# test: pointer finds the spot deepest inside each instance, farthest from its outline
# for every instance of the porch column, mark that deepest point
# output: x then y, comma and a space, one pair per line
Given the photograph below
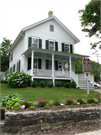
52, 64
32, 61
70, 64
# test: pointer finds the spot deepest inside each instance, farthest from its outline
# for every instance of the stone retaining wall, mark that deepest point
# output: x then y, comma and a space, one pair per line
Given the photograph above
33, 121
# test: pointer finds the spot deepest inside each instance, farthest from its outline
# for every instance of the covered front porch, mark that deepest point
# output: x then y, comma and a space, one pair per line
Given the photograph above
54, 64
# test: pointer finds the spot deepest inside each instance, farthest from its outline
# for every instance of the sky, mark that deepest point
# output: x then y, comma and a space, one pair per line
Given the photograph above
17, 14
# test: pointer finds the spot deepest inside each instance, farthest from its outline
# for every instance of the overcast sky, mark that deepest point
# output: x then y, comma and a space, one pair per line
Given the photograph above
17, 14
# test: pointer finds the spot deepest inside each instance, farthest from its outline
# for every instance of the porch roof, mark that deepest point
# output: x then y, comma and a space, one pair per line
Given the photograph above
57, 55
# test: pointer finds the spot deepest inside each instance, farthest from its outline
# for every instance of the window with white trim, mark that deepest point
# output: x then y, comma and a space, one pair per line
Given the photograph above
66, 48
35, 42
51, 45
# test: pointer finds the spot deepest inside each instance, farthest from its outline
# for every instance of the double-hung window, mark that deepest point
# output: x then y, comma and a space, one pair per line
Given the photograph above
35, 42
51, 45
67, 48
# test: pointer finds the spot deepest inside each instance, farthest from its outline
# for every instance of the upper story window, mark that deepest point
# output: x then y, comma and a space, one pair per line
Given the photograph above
51, 45
35, 42
67, 48
52, 28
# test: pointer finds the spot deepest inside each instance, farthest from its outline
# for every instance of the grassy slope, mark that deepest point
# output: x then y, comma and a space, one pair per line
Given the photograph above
47, 93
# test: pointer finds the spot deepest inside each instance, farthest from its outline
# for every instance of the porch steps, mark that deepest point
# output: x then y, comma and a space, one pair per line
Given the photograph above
83, 84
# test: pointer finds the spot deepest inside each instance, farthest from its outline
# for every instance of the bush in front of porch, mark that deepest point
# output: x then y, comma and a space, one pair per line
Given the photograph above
18, 80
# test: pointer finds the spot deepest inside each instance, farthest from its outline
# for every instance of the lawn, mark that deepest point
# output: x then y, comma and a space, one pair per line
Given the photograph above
47, 93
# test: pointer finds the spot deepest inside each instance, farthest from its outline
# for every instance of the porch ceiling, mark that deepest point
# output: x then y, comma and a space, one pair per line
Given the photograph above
57, 55
49, 55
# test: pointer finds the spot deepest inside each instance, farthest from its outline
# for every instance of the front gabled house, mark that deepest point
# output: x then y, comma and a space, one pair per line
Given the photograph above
45, 50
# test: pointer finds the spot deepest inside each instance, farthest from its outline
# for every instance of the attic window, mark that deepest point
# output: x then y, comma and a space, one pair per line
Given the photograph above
52, 28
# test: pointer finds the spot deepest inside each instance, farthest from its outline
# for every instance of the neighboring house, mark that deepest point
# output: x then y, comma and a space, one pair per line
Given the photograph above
45, 50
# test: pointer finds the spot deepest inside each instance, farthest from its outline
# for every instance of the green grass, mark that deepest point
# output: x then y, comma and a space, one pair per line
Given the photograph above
47, 93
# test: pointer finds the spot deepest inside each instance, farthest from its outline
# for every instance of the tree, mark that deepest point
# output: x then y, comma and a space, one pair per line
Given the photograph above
5, 45
90, 21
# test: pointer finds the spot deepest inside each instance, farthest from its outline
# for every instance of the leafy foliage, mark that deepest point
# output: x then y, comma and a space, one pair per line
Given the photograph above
58, 84
32, 107
90, 20
42, 102
81, 100
15, 103
5, 99
67, 85
50, 84
57, 102
92, 100
42, 83
5, 45
27, 103
73, 84
47, 107
70, 101
19, 80
34, 84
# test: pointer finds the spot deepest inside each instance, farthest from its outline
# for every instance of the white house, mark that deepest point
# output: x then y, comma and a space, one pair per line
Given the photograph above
45, 50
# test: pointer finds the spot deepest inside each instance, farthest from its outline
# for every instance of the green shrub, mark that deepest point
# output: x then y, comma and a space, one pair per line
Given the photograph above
92, 100
47, 107
67, 85
58, 84
15, 103
50, 84
73, 84
34, 84
70, 101
5, 99
18, 80
57, 102
81, 100
32, 107
42, 83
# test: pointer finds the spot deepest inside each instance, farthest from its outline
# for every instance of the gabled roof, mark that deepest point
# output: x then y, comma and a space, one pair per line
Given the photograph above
76, 40
22, 32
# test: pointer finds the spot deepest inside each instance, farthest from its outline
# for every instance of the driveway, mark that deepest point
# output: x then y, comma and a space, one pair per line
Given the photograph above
97, 90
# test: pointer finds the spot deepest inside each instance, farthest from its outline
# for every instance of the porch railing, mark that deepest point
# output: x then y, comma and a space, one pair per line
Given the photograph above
42, 72
46, 73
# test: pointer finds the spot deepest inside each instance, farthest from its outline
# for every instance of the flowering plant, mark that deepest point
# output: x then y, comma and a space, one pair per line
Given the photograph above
18, 80
41, 102
92, 100
70, 101
80, 100
27, 103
